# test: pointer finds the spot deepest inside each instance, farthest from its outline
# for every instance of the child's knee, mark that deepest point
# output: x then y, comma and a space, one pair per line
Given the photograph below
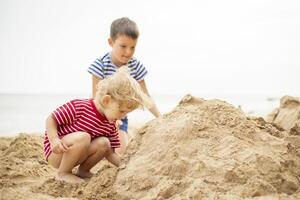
82, 138
103, 143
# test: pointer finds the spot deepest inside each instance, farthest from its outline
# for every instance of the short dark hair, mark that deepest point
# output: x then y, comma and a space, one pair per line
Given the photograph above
124, 26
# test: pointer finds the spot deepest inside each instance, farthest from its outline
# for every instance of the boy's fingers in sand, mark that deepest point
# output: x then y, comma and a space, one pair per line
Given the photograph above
55, 145
64, 146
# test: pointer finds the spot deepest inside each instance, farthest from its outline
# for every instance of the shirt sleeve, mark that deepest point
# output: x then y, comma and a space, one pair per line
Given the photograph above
97, 68
140, 71
114, 139
65, 114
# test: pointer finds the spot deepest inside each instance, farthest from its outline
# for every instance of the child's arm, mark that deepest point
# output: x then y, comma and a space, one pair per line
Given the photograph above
114, 158
154, 110
57, 145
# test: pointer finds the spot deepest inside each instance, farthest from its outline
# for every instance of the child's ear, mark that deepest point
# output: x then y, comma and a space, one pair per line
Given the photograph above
106, 99
110, 41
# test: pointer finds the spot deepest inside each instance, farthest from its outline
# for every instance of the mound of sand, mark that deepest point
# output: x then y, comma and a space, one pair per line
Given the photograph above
207, 150
203, 149
287, 116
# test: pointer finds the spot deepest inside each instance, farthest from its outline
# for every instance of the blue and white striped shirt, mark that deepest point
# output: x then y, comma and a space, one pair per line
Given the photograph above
103, 67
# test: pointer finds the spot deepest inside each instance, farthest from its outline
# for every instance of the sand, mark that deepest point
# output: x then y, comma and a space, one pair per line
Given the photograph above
203, 149
287, 116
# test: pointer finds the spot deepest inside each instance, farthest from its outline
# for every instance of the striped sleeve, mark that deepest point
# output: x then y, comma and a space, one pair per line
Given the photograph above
114, 139
140, 71
64, 114
97, 68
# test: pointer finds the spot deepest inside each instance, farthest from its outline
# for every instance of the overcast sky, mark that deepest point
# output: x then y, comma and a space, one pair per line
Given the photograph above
211, 46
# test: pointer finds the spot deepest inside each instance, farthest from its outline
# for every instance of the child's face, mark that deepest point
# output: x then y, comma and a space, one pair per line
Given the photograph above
123, 48
113, 110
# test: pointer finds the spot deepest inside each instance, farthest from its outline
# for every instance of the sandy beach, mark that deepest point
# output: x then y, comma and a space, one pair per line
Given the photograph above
202, 149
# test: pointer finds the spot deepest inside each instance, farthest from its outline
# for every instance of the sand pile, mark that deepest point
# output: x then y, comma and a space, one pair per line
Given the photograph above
287, 116
200, 150
206, 150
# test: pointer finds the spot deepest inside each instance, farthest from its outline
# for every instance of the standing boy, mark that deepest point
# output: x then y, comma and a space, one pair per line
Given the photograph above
123, 40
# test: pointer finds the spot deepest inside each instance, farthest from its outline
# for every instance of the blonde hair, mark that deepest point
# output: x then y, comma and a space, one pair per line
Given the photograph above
124, 89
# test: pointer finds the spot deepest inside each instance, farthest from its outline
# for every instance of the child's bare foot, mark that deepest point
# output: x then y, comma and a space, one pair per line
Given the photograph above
84, 174
68, 177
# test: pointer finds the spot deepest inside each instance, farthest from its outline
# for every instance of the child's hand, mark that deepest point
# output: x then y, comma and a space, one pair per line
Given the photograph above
118, 124
58, 146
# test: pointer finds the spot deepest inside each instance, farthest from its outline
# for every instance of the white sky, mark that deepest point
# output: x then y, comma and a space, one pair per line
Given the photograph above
211, 46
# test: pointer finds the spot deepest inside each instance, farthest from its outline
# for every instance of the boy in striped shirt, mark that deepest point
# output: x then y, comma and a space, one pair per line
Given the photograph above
83, 131
123, 40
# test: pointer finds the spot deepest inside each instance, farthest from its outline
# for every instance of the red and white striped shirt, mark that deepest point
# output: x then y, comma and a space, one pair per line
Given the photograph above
82, 115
